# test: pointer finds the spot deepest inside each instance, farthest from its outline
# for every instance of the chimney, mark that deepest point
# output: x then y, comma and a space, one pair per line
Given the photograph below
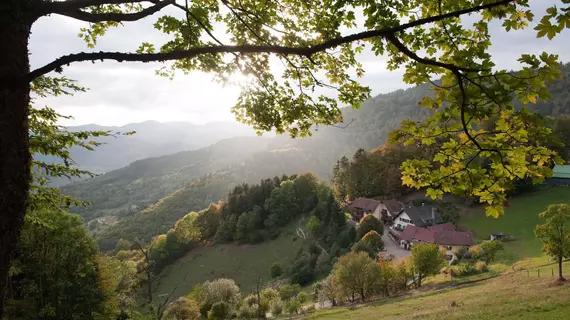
433, 216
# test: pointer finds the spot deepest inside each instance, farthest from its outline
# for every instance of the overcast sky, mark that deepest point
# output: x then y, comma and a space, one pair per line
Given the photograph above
122, 93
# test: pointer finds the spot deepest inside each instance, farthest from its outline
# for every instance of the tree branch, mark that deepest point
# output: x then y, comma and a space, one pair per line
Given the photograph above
116, 17
301, 51
71, 5
403, 49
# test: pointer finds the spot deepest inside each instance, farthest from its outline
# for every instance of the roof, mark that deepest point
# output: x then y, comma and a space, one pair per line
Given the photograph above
441, 236
453, 238
445, 226
422, 216
561, 171
393, 206
365, 204
413, 233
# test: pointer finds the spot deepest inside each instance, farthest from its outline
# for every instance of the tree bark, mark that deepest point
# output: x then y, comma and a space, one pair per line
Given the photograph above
419, 279
14, 150
560, 275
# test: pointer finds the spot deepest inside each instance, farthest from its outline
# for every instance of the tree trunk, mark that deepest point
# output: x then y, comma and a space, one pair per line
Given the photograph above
14, 150
560, 275
419, 279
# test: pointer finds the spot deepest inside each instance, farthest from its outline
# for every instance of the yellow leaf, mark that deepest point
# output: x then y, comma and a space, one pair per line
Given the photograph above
532, 98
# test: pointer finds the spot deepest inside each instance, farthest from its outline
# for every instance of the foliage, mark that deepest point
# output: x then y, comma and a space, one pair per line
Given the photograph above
182, 308
374, 173
555, 232
357, 274
275, 270
427, 260
374, 240
486, 250
57, 273
220, 290
289, 291
369, 223
221, 310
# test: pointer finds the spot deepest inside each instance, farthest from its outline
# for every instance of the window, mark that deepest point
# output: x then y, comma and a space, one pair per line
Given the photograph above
405, 220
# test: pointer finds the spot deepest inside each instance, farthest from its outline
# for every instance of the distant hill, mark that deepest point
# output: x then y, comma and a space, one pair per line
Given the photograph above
126, 191
152, 139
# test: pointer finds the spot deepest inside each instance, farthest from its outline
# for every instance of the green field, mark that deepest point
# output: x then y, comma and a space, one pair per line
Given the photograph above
519, 219
243, 263
510, 296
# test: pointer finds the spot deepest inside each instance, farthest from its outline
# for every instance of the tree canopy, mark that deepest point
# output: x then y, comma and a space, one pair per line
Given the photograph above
555, 233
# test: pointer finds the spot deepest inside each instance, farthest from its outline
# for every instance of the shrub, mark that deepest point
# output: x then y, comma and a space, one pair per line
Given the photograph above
311, 309
481, 266
369, 223
302, 297
287, 292
246, 312
182, 308
292, 306
275, 270
276, 307
220, 311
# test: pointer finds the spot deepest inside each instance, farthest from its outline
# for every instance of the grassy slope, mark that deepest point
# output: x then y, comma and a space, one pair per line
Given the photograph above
511, 296
519, 220
243, 263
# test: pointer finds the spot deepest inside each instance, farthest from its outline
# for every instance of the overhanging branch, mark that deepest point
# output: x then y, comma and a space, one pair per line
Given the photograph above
302, 51
116, 17
71, 5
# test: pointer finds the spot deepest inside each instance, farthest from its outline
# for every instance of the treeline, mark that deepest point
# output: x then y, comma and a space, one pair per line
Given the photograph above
373, 173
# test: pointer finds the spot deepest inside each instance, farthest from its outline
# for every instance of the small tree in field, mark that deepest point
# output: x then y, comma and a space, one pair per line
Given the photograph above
275, 270
369, 223
427, 260
555, 233
356, 274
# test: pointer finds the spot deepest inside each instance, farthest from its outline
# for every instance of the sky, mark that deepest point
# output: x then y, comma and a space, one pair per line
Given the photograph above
121, 93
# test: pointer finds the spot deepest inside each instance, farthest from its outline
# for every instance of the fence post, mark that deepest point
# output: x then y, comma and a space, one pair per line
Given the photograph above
538, 272
552, 271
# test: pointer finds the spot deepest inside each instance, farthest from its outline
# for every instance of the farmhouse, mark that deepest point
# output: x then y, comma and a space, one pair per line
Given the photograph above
383, 210
389, 209
363, 206
423, 216
444, 235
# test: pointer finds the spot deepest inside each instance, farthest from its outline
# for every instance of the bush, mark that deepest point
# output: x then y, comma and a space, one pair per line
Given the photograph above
311, 309
481, 266
246, 312
369, 223
220, 311
182, 308
276, 307
463, 253
275, 270
292, 306
289, 291
302, 297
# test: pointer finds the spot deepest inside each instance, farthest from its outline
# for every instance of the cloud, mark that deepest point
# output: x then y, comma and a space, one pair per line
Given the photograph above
121, 93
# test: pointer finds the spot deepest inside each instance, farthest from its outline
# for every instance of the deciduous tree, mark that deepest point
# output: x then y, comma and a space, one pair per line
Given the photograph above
427, 260
357, 274
555, 233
